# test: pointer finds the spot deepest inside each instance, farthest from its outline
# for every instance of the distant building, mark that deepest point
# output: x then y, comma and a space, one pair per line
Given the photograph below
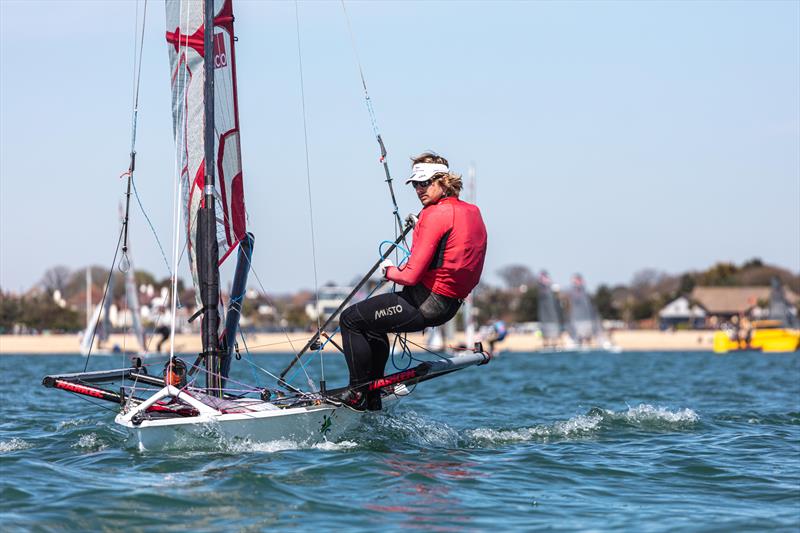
681, 312
330, 298
723, 303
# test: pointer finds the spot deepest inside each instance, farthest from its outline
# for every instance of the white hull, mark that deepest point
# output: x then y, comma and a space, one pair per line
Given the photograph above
307, 425
263, 422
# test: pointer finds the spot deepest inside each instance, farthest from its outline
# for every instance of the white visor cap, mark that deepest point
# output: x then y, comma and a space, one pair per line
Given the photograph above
425, 171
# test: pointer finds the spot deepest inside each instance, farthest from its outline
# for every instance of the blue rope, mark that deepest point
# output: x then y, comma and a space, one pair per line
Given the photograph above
406, 253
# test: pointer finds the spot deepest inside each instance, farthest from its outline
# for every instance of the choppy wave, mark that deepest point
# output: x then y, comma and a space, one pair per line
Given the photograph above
591, 424
13, 445
247, 446
647, 415
412, 428
90, 441
791, 418
483, 451
71, 423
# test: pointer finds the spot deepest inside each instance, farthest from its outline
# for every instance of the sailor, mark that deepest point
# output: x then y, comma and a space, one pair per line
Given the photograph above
446, 261
497, 332
165, 332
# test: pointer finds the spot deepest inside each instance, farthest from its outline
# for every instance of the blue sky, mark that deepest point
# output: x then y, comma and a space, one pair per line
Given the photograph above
608, 137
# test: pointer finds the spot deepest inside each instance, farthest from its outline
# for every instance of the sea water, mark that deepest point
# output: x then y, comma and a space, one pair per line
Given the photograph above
641, 441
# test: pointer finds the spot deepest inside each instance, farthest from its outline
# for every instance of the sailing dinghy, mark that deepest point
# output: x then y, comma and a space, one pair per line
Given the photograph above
584, 327
98, 327
195, 398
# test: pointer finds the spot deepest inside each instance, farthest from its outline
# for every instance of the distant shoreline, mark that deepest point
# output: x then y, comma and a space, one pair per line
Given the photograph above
628, 340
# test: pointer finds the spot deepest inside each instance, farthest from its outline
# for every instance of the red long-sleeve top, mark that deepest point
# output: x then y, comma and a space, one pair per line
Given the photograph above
448, 249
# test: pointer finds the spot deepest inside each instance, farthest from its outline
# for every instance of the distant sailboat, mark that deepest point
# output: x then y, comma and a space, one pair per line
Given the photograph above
549, 312
779, 308
98, 327
584, 326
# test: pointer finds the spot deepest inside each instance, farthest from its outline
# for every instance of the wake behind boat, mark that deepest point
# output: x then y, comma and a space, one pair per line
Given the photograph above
194, 397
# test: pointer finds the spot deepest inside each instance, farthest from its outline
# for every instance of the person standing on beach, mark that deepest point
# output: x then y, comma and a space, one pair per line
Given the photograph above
446, 261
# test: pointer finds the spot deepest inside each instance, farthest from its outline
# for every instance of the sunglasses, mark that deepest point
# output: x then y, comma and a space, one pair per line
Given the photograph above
422, 184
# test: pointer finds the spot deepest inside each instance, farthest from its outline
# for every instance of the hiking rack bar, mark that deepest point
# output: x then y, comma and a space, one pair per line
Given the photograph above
422, 372
316, 336
98, 376
102, 376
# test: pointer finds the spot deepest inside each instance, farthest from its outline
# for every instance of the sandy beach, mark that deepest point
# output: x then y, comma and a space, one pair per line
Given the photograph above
631, 340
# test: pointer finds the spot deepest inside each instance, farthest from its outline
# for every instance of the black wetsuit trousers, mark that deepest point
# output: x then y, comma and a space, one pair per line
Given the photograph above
365, 326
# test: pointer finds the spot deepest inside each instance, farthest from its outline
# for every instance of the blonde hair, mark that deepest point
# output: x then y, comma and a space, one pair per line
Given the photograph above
451, 182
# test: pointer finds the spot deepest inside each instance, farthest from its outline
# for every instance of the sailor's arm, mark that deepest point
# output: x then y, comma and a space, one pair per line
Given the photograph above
430, 230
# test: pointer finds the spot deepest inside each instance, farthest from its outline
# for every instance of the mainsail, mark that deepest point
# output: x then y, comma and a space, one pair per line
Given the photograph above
779, 308
186, 54
583, 322
97, 329
132, 296
549, 316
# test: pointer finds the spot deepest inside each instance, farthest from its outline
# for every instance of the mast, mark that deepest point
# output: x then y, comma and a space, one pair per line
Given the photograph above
469, 323
201, 50
208, 254
88, 297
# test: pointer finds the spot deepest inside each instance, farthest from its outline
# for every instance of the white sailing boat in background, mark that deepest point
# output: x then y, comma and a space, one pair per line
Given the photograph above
549, 313
99, 323
191, 401
585, 330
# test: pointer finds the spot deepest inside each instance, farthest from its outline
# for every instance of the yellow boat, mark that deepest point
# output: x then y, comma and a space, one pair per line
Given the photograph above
768, 336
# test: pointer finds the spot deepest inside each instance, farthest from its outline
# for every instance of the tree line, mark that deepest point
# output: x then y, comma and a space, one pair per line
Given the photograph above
515, 301
649, 290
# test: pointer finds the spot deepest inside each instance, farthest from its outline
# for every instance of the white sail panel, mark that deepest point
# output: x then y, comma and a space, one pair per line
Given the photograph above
132, 296
549, 315
186, 54
584, 323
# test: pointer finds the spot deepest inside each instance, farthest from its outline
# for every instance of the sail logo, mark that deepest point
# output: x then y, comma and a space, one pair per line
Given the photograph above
220, 56
389, 311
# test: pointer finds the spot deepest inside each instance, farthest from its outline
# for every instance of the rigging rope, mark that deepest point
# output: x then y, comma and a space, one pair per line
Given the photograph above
124, 265
150, 224
102, 301
137, 78
375, 130
308, 182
